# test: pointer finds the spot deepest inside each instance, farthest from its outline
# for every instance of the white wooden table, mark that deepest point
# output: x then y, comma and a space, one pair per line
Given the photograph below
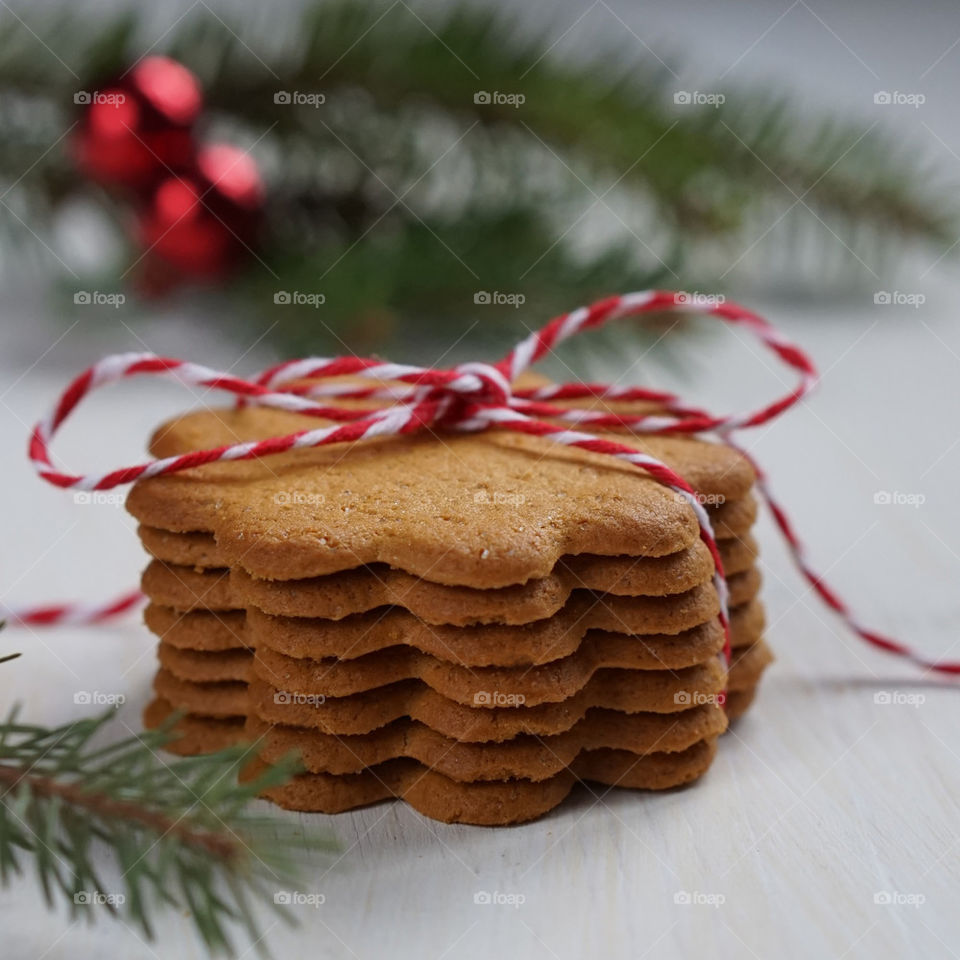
822, 802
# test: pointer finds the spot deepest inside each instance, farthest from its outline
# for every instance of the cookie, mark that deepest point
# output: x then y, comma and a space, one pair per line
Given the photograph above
358, 591
747, 666
205, 667
195, 734
217, 699
628, 691
226, 630
486, 803
229, 699
743, 587
738, 702
731, 520
549, 683
554, 680
531, 643
747, 623
482, 510
182, 549
524, 757
188, 588
191, 588
198, 629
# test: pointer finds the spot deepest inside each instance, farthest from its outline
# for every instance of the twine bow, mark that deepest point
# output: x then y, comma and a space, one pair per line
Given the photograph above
470, 397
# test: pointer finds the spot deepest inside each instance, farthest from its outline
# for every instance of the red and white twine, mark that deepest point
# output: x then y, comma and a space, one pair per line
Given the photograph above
470, 397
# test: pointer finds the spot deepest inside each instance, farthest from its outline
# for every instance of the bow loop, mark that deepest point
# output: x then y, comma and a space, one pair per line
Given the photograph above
480, 383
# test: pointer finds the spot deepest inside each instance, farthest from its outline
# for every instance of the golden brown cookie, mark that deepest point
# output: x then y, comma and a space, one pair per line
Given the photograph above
358, 591
629, 691
747, 666
738, 702
536, 643
195, 734
747, 623
226, 630
527, 684
743, 587
731, 520
198, 629
217, 699
524, 757
482, 510
486, 803
471, 686
206, 667
188, 588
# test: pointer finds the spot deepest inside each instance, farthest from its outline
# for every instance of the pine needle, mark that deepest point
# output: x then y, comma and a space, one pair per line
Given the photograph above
175, 834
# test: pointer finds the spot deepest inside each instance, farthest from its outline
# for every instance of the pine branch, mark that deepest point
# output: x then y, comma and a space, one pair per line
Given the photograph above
604, 112
176, 834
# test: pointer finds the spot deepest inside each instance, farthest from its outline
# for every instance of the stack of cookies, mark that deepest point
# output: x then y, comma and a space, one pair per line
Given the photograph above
472, 623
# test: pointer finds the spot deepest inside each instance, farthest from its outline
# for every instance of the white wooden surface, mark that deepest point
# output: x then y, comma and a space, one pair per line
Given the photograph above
820, 800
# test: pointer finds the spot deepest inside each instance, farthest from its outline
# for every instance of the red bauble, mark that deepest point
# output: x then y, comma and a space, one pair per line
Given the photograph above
198, 208
140, 128
201, 225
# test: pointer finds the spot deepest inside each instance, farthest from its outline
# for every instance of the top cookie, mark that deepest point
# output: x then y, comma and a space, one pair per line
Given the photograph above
478, 510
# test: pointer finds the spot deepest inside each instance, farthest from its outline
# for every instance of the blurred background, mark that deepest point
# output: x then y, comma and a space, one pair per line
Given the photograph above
362, 175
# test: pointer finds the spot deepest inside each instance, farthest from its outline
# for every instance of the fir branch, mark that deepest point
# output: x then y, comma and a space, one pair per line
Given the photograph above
605, 111
176, 833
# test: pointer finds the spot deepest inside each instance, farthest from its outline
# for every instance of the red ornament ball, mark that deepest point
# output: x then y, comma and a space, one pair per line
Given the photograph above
202, 224
140, 128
